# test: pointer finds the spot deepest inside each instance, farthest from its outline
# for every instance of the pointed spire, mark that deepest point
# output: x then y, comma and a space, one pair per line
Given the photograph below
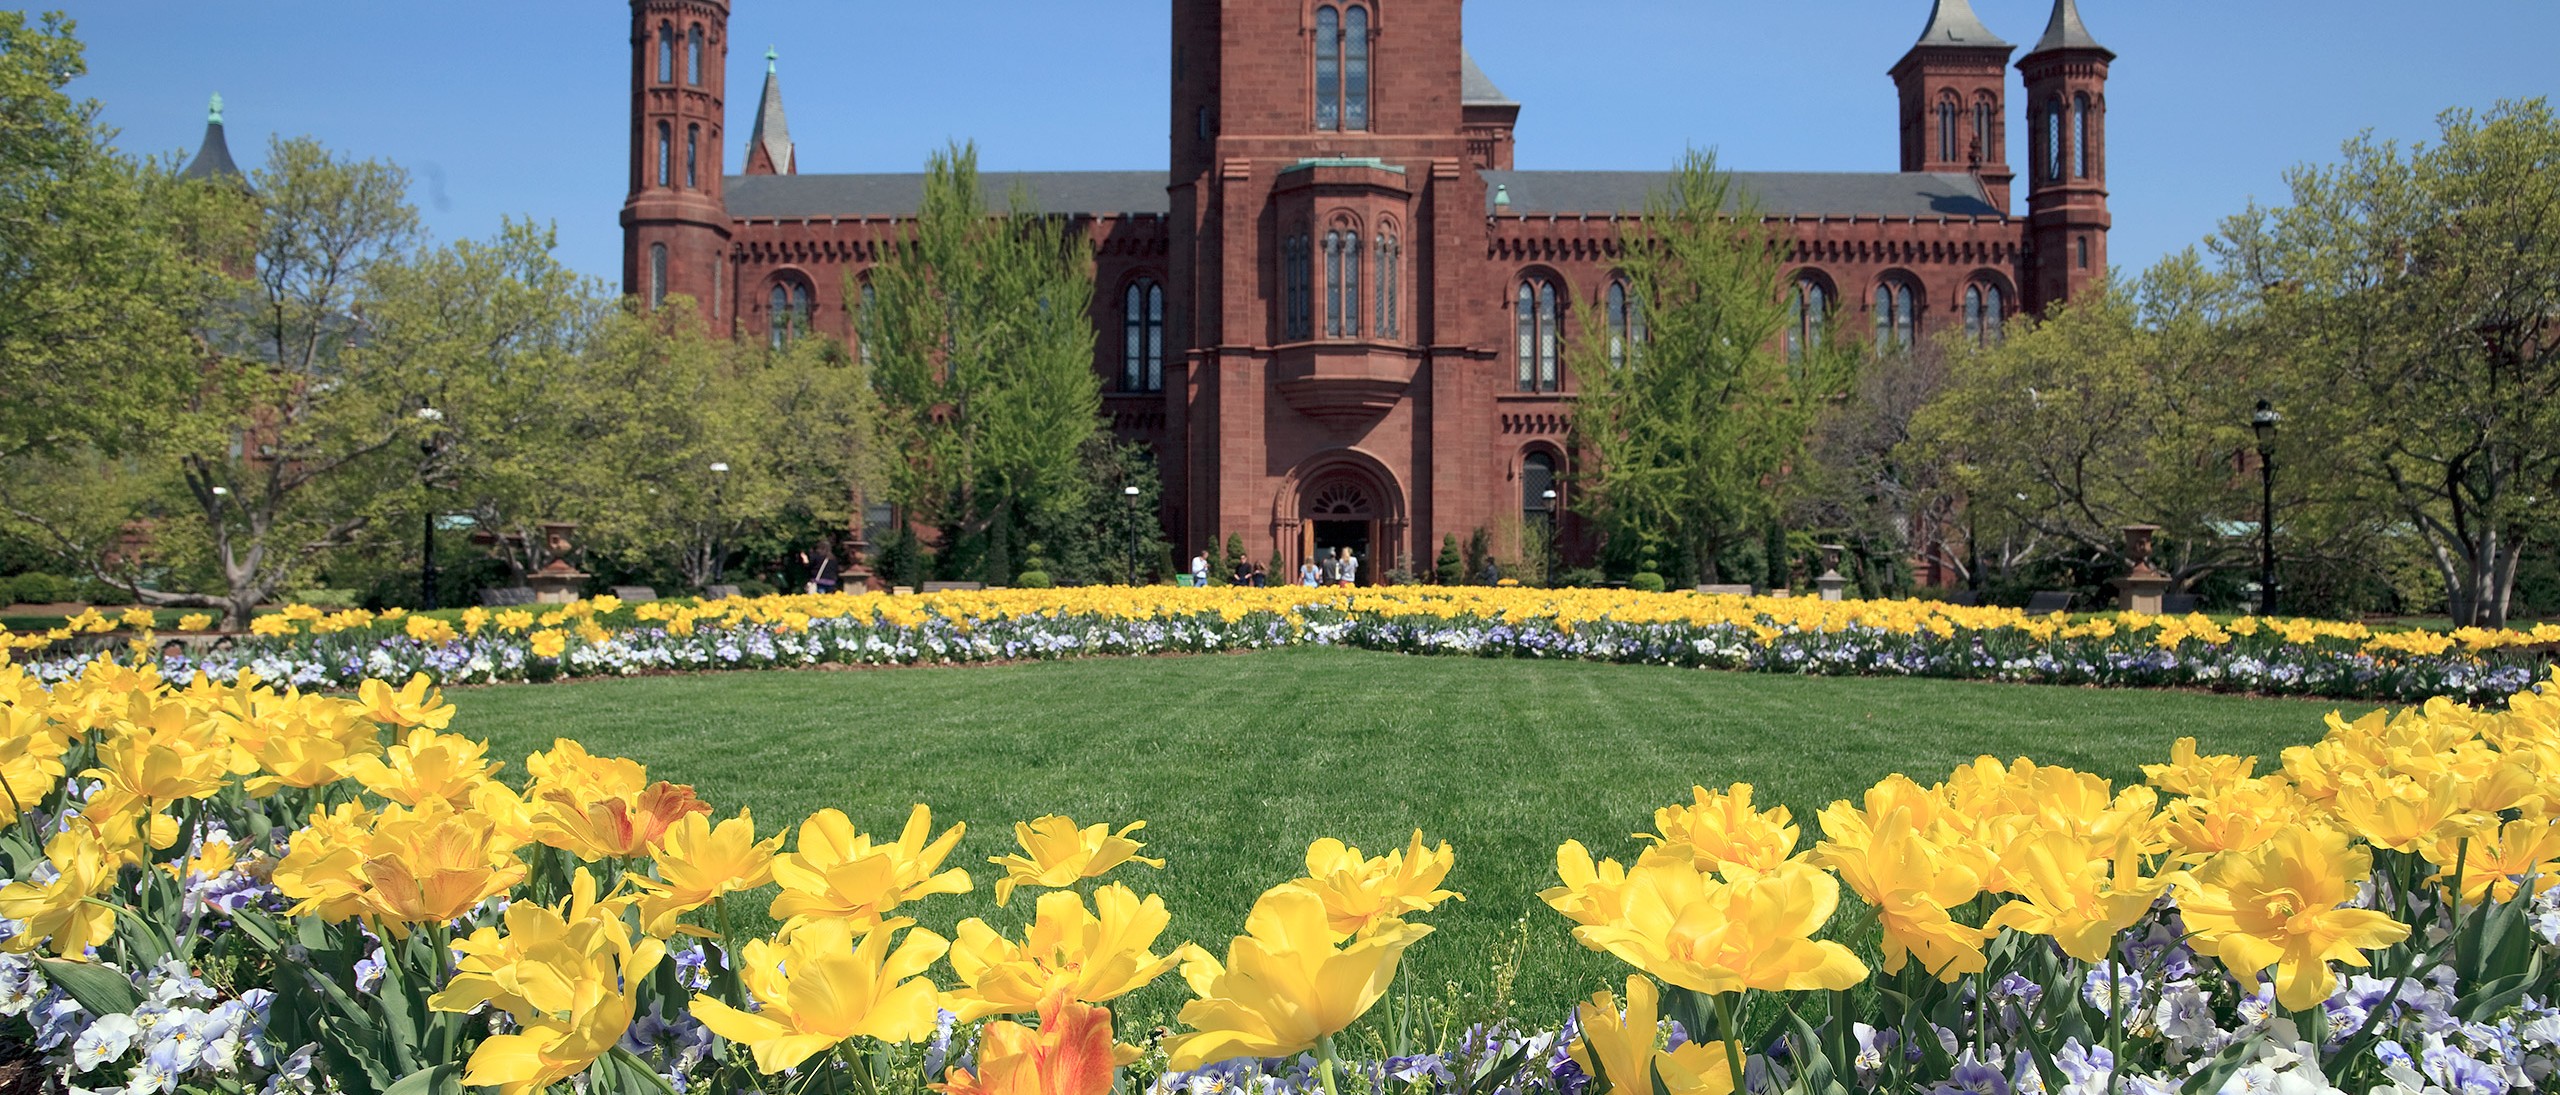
2066, 31
213, 157
1476, 88
1952, 23
769, 150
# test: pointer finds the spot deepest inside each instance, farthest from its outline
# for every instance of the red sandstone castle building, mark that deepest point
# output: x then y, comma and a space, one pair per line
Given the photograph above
1338, 315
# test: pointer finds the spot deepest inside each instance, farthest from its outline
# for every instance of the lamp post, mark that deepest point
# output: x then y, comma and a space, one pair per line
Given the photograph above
2264, 422
1548, 563
1129, 512
428, 448
719, 555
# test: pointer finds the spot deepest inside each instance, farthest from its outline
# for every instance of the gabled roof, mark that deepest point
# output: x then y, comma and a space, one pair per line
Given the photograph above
1778, 193
1094, 193
213, 157
1952, 23
1476, 88
772, 133
2066, 31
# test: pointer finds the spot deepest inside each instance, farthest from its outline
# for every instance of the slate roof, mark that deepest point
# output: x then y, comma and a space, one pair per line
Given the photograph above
771, 130
1098, 193
1953, 23
2066, 31
1779, 193
1476, 88
213, 158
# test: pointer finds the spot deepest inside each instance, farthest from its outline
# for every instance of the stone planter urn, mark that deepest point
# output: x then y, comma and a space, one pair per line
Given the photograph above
557, 583
2143, 586
1832, 583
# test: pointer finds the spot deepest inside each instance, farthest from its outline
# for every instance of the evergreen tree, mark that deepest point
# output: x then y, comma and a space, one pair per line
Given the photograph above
1452, 566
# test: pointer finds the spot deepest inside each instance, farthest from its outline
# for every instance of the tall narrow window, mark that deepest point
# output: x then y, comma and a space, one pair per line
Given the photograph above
1973, 314
1617, 308
2084, 252
1297, 279
1896, 321
1983, 313
1351, 282
666, 155
1808, 309
1355, 67
1142, 367
1333, 284
2053, 138
2080, 136
789, 318
863, 321
1390, 284
666, 53
692, 155
1328, 68
1947, 131
1984, 141
693, 55
1539, 339
657, 274
1995, 313
1155, 337
1526, 312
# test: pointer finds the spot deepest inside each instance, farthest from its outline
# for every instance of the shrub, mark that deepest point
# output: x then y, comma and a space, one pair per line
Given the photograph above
1452, 567
40, 588
1648, 581
753, 587
1034, 579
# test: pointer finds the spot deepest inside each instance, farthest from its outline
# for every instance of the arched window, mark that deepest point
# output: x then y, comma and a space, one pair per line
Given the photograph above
1985, 136
1984, 313
1142, 325
789, 316
862, 322
693, 55
1390, 281
1896, 319
1355, 67
692, 155
1328, 68
1538, 336
1537, 480
657, 274
2053, 138
1808, 309
1333, 284
1351, 259
666, 155
2080, 136
1297, 280
666, 53
1947, 113
1626, 323
1342, 283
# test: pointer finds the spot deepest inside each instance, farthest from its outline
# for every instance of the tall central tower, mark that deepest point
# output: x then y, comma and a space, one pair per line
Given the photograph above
675, 226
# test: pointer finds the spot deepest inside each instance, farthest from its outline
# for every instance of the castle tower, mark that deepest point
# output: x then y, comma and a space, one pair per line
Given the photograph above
213, 157
1951, 102
769, 150
674, 227
2067, 167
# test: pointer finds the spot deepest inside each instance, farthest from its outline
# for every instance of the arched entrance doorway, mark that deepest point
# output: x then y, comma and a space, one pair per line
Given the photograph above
1341, 515
1343, 502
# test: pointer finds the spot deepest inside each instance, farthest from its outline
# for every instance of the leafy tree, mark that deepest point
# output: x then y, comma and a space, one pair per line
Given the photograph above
1096, 543
1684, 443
2410, 294
983, 359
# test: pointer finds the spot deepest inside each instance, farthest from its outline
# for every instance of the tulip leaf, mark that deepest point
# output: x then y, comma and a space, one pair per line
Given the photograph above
1816, 1071
443, 1079
637, 1076
101, 990
2221, 1069
260, 930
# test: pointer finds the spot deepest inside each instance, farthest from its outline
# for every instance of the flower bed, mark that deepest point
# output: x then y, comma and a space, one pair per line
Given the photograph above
228, 887
308, 647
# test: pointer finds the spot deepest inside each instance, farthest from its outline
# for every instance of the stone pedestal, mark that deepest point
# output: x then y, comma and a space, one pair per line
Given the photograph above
2142, 587
1833, 584
557, 583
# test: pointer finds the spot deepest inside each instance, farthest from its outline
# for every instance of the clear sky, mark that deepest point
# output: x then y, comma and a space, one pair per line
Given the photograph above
519, 107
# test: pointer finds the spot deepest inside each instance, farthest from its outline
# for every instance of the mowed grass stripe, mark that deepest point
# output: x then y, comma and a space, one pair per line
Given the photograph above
1237, 761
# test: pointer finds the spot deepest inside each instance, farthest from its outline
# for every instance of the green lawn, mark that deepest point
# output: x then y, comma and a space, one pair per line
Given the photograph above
1236, 762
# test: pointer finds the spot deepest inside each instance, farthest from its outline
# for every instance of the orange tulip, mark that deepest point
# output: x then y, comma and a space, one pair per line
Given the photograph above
1070, 1054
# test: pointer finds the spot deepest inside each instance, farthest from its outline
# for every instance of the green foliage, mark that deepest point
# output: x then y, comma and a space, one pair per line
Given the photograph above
1775, 572
1451, 568
1687, 441
1646, 581
1479, 552
1034, 579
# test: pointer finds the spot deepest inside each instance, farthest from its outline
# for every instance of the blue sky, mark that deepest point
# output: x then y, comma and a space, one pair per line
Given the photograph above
518, 107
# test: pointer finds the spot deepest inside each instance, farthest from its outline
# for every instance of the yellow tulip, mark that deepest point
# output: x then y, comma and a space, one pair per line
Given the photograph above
1057, 854
1592, 893
1699, 932
2278, 904
819, 987
569, 767
402, 867
60, 914
1911, 882
426, 766
837, 873
1363, 895
1094, 956
697, 862
2400, 813
195, 621
615, 827
2239, 817
1722, 828
410, 705
2078, 894
2195, 775
1624, 1049
549, 643
563, 975
1287, 983
2499, 862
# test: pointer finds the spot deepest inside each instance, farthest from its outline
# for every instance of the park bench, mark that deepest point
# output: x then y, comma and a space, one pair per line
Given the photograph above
510, 597
1965, 598
2179, 604
954, 587
719, 592
1726, 590
635, 594
2045, 602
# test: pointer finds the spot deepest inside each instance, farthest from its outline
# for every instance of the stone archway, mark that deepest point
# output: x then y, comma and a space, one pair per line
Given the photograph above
1340, 500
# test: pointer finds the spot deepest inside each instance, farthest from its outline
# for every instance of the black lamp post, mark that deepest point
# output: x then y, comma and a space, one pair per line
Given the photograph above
1548, 564
719, 520
1129, 510
2264, 422
428, 448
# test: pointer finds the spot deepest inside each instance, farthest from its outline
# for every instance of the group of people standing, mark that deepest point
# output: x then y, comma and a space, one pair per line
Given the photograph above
1342, 568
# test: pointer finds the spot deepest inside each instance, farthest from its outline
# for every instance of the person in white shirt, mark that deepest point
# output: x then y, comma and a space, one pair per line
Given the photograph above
1200, 570
1310, 574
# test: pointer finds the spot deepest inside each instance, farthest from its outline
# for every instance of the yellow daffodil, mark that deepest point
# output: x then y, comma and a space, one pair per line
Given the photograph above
697, 862
1363, 895
1699, 932
1286, 984
1094, 956
61, 914
411, 704
1057, 854
1624, 1049
819, 987
837, 873
2279, 904
1070, 1054
1722, 828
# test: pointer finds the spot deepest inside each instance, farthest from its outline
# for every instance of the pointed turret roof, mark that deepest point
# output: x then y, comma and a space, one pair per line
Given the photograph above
1952, 23
772, 135
1476, 88
2066, 31
213, 157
